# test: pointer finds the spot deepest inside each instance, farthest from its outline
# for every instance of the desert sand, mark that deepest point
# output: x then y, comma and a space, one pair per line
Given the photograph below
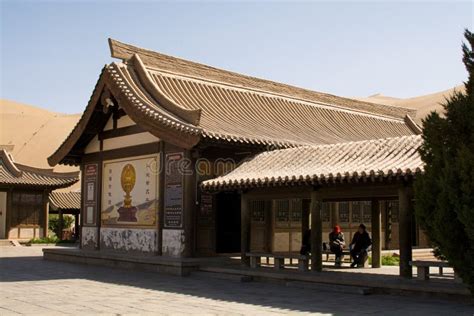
423, 104
31, 134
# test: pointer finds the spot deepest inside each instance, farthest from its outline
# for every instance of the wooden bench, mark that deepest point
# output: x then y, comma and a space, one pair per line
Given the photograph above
423, 268
344, 253
279, 260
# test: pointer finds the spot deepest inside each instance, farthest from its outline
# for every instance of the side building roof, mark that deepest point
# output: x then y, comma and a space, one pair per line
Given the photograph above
15, 174
65, 200
336, 163
186, 102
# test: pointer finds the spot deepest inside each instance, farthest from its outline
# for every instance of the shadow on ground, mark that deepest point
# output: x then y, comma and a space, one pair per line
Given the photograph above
34, 268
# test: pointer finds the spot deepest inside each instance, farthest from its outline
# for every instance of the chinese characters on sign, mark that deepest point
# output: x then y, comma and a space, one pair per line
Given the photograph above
206, 214
90, 201
173, 203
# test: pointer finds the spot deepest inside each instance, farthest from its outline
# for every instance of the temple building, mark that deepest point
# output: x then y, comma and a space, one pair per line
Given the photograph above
180, 159
24, 193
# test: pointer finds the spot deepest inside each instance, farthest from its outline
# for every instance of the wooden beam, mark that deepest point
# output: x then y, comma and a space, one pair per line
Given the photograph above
245, 229
359, 191
376, 234
316, 232
404, 224
122, 131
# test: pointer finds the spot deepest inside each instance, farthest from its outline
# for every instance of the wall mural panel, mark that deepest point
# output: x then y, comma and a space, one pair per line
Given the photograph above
130, 192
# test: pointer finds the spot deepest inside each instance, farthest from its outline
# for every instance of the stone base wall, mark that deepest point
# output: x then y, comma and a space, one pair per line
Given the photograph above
173, 242
89, 237
129, 239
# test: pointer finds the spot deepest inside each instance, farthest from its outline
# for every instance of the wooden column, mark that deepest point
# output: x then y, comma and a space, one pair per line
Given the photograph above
405, 221
46, 213
376, 234
316, 232
76, 226
305, 218
61, 224
245, 229
189, 201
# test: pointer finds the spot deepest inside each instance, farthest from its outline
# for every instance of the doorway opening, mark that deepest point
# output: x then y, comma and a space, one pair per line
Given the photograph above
228, 222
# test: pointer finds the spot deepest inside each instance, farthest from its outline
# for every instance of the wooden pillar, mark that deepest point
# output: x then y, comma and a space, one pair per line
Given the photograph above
245, 229
305, 218
161, 199
46, 213
405, 219
76, 226
61, 224
316, 232
376, 234
189, 205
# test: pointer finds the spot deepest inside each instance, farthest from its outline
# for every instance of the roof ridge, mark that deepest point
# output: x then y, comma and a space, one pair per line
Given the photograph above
273, 94
9, 163
152, 58
353, 142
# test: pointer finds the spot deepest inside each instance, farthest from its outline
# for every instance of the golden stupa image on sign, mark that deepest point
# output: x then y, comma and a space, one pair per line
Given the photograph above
127, 213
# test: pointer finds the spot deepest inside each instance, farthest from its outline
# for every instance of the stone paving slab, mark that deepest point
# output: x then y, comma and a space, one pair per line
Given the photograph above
30, 285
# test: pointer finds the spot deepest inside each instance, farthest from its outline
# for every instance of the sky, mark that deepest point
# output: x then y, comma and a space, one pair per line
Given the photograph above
52, 52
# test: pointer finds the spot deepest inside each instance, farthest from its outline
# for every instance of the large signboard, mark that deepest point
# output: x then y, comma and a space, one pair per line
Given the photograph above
173, 203
130, 191
91, 172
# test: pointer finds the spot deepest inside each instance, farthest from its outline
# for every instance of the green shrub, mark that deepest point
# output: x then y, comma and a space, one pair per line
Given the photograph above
44, 240
388, 260
68, 221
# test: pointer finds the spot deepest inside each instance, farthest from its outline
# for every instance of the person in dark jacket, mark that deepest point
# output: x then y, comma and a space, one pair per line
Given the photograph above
360, 246
336, 244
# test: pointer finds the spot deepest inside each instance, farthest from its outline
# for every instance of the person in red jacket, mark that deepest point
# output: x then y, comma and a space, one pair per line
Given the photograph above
336, 244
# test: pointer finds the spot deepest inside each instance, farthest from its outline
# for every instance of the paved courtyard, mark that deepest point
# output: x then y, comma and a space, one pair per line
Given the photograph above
30, 285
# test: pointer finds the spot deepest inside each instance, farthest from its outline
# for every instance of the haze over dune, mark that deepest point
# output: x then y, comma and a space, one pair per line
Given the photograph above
31, 134
423, 104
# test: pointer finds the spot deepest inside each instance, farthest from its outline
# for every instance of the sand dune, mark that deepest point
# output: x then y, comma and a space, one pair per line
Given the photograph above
31, 134
423, 104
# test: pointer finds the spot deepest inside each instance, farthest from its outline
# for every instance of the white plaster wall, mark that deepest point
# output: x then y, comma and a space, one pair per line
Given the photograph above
124, 121
27, 233
129, 140
93, 146
173, 242
89, 237
128, 239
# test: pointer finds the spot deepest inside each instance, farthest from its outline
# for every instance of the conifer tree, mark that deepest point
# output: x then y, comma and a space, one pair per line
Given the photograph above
444, 194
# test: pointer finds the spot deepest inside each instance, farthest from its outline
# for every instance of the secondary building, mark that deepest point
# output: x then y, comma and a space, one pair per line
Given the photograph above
24, 192
164, 145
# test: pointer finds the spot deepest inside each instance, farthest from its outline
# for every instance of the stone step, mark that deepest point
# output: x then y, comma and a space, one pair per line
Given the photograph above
6, 243
222, 276
330, 287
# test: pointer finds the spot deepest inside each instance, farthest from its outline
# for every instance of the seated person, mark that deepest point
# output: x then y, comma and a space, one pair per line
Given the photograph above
306, 243
360, 246
336, 244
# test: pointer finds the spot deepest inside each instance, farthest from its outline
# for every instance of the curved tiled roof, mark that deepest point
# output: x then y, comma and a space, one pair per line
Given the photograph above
352, 161
65, 200
15, 174
183, 102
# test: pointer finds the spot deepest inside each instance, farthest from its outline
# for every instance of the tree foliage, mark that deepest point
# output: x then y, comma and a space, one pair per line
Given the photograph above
445, 192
